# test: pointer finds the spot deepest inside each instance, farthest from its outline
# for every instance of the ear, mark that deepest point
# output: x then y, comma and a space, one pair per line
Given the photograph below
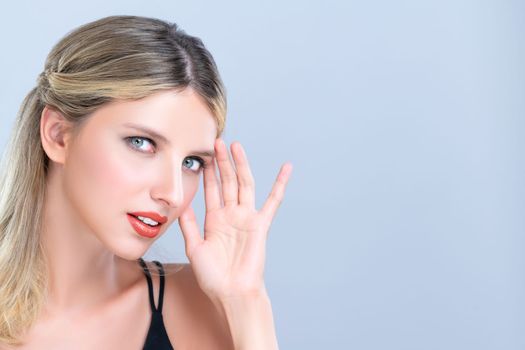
54, 133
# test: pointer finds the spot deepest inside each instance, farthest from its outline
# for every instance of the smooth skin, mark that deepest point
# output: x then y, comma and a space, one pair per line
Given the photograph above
98, 296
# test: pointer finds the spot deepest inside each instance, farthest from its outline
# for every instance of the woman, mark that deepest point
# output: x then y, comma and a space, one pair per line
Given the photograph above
105, 154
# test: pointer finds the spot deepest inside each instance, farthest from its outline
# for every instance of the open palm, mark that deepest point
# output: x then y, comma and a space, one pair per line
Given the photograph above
229, 260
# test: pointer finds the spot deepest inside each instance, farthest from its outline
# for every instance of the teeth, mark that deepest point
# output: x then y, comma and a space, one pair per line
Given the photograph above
148, 221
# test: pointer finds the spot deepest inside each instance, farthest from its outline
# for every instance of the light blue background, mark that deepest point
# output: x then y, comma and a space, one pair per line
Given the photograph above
402, 225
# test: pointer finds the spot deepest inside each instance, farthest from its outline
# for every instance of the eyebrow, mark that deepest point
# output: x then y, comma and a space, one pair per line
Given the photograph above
155, 134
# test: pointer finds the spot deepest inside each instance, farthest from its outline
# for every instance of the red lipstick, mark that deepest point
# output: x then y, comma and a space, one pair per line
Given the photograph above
144, 229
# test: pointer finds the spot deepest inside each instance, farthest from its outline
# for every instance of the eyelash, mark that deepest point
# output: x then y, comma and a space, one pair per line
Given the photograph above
203, 164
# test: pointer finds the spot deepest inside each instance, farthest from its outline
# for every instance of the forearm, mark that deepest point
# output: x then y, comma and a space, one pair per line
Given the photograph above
251, 322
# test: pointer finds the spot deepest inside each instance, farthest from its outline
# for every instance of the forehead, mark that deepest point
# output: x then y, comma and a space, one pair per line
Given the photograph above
176, 115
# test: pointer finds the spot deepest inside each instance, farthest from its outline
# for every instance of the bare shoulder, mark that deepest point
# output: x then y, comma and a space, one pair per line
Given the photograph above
191, 319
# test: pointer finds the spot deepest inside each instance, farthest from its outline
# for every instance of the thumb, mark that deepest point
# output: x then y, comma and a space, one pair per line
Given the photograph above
190, 230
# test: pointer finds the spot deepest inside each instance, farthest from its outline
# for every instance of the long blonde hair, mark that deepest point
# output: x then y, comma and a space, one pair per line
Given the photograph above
116, 57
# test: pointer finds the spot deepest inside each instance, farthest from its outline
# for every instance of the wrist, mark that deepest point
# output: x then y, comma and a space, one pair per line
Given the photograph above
237, 302
250, 320
237, 295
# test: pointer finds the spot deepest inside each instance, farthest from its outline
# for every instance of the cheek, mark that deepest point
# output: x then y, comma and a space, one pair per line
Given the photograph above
111, 172
191, 186
95, 176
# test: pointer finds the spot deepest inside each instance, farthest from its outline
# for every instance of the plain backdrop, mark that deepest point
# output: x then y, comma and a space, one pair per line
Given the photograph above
403, 222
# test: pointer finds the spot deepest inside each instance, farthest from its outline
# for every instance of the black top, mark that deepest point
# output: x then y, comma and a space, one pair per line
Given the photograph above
157, 338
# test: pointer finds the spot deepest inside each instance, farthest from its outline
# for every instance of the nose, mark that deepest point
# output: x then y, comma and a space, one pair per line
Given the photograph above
169, 186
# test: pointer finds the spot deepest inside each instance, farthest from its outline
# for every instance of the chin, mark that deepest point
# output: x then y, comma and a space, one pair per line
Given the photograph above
130, 253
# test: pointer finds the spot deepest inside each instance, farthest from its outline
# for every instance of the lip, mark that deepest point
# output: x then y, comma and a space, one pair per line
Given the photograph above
143, 229
152, 215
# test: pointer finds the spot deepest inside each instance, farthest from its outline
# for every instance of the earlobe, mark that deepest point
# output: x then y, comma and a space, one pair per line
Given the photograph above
53, 134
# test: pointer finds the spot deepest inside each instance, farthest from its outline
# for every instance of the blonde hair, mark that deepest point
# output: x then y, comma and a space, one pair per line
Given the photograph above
116, 57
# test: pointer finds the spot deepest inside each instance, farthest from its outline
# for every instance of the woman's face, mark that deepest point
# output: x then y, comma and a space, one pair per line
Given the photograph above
112, 168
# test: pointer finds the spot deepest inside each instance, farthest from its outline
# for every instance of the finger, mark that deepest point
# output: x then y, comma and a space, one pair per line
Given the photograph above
276, 196
212, 191
228, 175
245, 179
190, 230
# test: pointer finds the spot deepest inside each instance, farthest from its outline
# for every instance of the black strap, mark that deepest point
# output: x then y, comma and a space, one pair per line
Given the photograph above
150, 284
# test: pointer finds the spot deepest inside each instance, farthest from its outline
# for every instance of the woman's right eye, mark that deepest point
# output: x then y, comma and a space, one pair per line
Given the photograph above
137, 141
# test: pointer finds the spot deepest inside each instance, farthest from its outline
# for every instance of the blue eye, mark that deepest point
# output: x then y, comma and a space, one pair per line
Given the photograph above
194, 161
201, 162
129, 139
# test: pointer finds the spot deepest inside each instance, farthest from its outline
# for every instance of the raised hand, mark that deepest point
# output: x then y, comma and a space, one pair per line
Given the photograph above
229, 260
